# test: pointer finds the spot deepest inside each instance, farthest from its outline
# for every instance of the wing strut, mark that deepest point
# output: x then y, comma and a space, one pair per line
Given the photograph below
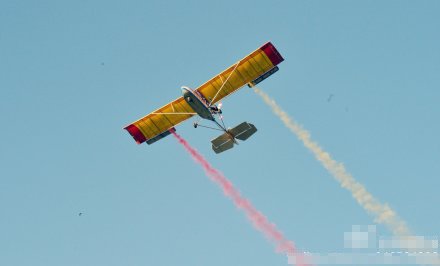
230, 74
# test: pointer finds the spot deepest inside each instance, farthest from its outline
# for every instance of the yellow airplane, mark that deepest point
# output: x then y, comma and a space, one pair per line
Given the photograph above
251, 70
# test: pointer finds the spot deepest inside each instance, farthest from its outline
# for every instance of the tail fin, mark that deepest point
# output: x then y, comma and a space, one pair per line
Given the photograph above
226, 140
243, 131
222, 143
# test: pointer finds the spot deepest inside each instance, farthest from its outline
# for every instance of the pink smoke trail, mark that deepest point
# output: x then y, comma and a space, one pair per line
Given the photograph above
259, 221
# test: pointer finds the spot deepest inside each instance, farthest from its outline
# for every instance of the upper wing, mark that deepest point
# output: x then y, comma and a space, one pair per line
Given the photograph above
160, 123
241, 73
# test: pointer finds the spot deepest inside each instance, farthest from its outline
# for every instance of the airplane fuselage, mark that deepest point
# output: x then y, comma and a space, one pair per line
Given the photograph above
198, 103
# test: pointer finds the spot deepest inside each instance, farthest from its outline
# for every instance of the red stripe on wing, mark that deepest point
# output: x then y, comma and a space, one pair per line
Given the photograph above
135, 133
273, 54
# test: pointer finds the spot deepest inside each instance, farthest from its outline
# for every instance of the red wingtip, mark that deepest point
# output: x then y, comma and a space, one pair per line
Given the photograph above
135, 133
272, 52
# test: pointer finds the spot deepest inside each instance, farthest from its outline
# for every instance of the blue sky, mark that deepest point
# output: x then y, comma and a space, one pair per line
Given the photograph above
73, 73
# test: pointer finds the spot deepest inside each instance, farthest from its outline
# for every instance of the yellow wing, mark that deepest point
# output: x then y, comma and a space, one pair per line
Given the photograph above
245, 71
161, 122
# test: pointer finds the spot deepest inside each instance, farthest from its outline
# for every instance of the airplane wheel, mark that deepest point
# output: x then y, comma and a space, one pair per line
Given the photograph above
195, 125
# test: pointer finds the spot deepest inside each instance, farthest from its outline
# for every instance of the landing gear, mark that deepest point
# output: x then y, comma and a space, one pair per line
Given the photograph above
195, 124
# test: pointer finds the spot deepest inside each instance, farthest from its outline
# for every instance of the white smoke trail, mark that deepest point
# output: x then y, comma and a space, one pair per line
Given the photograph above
382, 213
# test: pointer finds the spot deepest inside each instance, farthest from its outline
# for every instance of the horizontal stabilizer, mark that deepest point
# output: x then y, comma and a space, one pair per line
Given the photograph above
222, 143
243, 131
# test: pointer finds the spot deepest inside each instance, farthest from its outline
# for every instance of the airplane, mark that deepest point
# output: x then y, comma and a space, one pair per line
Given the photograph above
205, 102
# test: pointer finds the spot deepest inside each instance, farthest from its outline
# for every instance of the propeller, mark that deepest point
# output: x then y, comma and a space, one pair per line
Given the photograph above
219, 106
